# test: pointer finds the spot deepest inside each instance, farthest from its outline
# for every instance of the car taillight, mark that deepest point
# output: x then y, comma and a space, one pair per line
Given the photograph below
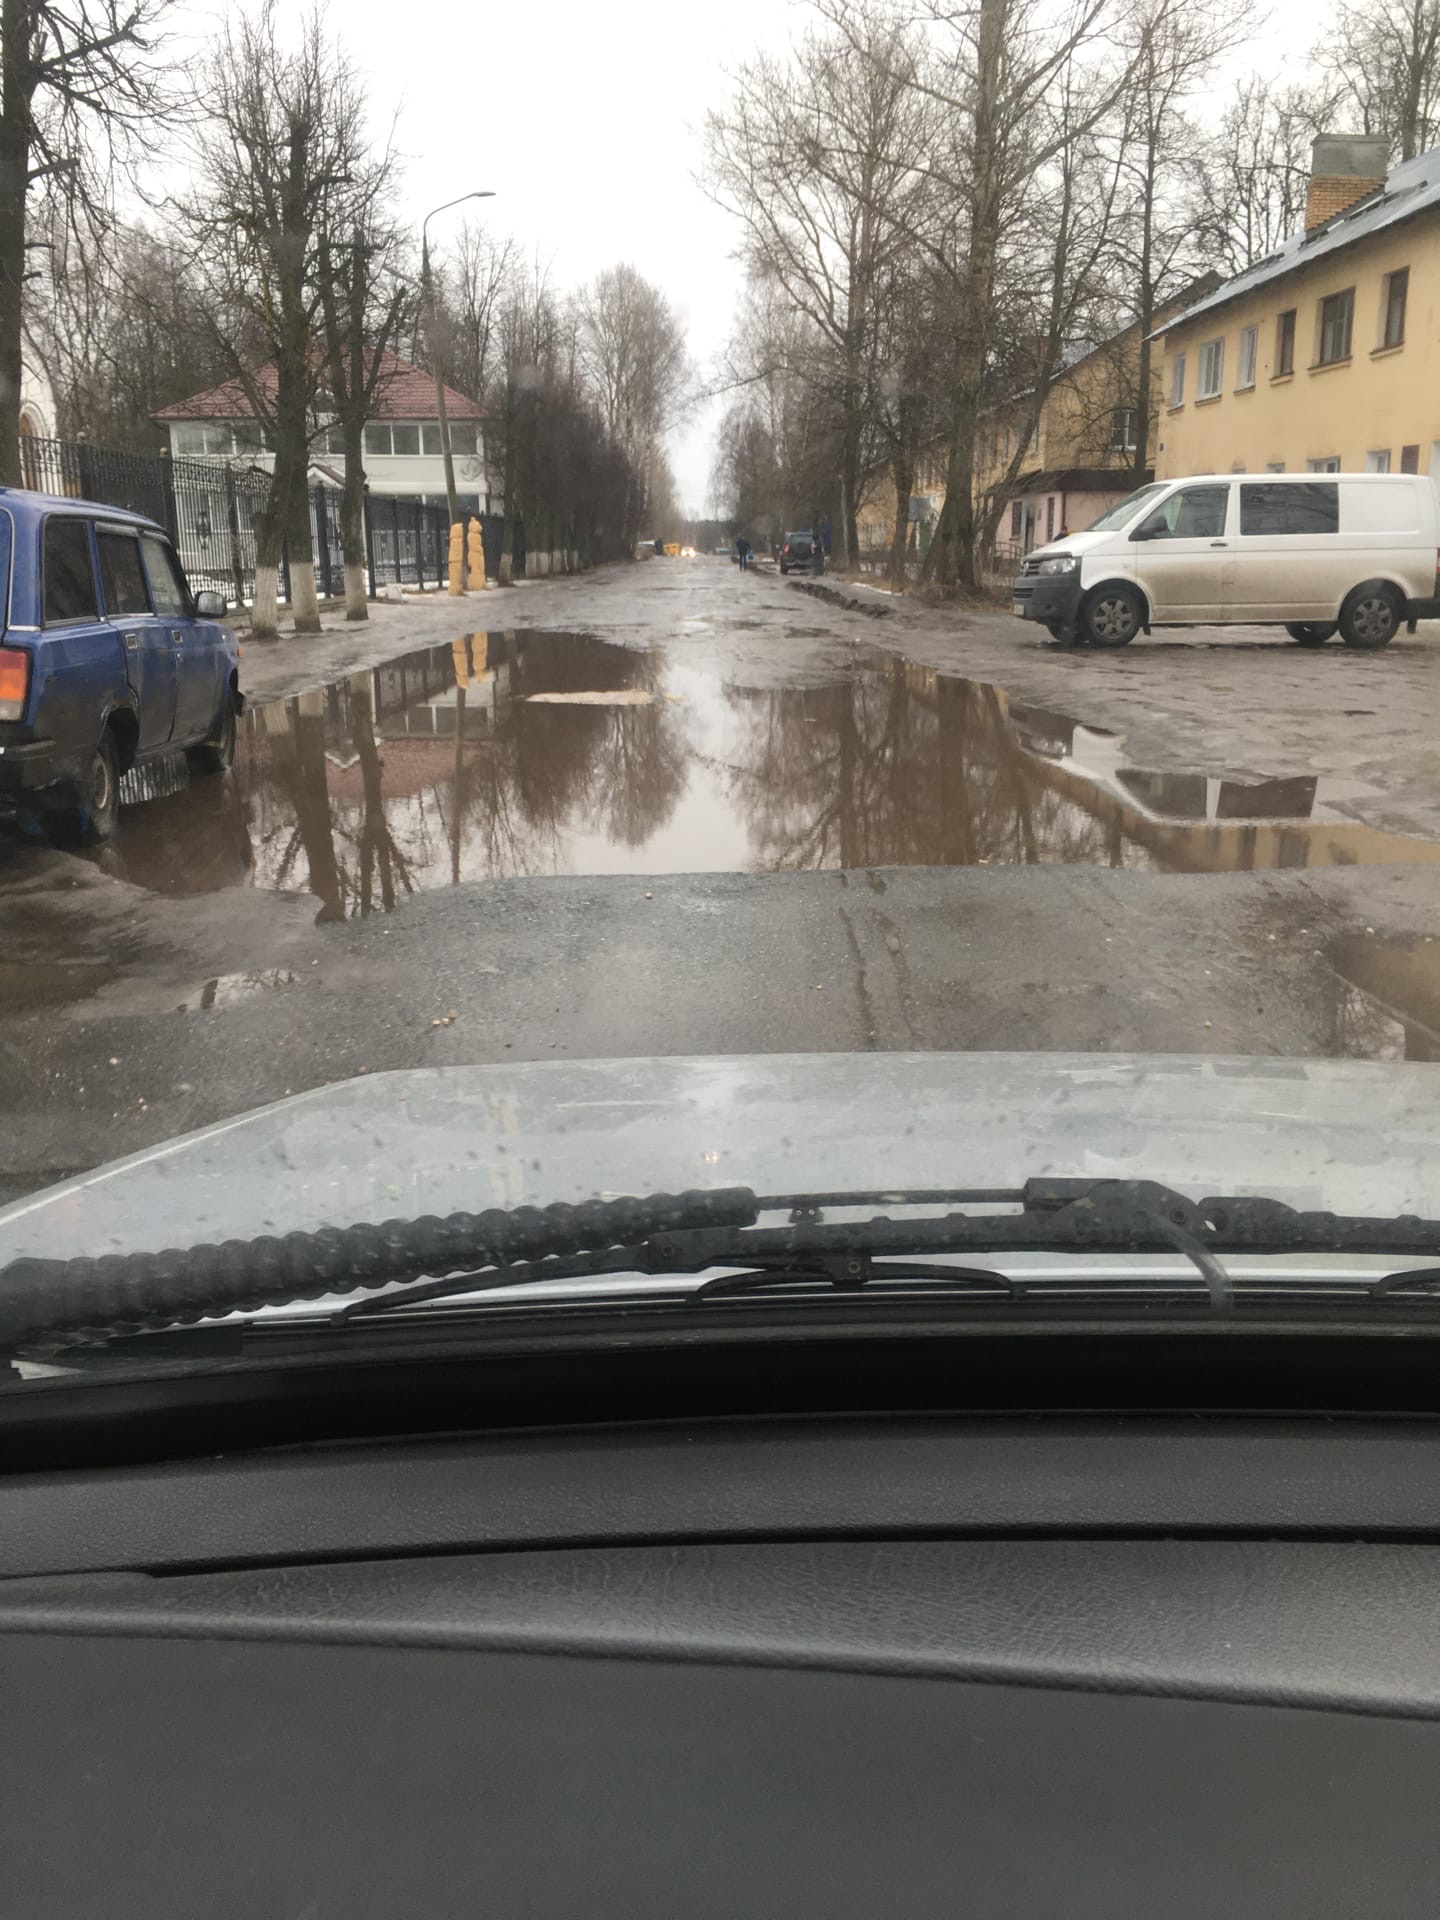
14, 682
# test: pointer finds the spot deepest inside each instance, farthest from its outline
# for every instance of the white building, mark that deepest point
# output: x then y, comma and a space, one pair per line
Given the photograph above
37, 399
402, 439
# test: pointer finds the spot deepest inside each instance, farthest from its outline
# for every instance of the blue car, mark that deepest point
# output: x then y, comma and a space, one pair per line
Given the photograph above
107, 660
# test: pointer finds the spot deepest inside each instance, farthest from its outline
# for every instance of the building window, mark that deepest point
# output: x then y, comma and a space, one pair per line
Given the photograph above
463, 437
333, 440
1378, 460
1337, 316
1397, 288
1245, 369
1327, 463
405, 438
1211, 370
1284, 343
1122, 430
1295, 506
377, 437
1410, 459
1015, 512
217, 439
1274, 466
1177, 381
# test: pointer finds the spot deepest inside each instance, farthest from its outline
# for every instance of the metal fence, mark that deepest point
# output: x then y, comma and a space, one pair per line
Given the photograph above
210, 507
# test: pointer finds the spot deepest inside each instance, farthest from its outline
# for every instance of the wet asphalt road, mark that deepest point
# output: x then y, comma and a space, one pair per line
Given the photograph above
663, 809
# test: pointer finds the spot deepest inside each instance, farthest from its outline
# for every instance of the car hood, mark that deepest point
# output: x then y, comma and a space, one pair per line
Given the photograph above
1076, 543
1344, 1135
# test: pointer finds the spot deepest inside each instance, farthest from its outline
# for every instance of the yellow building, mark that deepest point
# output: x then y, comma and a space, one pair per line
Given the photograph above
1325, 356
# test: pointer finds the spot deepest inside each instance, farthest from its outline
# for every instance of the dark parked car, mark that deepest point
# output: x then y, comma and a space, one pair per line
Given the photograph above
801, 551
107, 660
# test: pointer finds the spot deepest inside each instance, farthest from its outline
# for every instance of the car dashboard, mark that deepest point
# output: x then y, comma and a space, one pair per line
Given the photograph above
822, 1662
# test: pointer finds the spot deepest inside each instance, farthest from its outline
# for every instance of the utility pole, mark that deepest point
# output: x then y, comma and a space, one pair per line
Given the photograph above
432, 332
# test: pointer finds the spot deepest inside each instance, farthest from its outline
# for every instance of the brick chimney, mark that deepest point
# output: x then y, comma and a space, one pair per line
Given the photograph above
1344, 167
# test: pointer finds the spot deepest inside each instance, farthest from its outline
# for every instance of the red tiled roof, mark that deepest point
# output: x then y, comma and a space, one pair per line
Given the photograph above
407, 393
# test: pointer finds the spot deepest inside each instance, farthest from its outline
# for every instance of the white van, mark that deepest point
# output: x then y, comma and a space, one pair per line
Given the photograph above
1314, 553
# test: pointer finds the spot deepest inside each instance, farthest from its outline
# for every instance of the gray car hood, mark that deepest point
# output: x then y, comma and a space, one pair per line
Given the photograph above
1348, 1136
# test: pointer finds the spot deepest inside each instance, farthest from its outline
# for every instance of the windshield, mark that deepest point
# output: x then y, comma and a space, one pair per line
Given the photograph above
1124, 511
537, 670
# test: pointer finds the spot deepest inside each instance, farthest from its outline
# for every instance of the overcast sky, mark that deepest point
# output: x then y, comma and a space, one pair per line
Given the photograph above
587, 119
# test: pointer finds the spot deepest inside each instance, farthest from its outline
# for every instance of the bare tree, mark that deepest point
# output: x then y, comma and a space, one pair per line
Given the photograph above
631, 351
286, 138
80, 82
778, 452
1382, 61
366, 302
1255, 172
471, 285
1172, 47
116, 327
822, 160
1014, 85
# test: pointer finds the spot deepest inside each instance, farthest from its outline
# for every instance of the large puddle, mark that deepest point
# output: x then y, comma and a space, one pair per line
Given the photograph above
548, 753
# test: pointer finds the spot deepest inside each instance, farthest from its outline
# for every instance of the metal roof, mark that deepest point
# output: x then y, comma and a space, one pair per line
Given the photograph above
405, 392
1411, 188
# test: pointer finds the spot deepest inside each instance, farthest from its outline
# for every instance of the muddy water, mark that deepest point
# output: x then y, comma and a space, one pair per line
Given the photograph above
529, 753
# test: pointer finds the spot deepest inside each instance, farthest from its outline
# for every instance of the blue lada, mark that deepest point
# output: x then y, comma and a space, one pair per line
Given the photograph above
107, 660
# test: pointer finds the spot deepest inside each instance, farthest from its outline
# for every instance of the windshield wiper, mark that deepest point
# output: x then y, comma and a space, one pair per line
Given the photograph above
688, 1233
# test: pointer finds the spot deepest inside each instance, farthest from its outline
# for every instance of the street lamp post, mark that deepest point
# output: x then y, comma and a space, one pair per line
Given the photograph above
427, 293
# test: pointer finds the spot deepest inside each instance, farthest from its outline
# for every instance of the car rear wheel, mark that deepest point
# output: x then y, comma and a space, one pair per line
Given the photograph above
1310, 633
87, 814
1371, 616
1112, 616
217, 754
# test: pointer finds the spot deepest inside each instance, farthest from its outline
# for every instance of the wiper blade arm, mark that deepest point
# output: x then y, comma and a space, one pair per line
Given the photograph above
125, 1292
682, 1233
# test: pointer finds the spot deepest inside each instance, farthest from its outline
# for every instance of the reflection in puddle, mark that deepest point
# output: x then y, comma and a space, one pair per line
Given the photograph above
227, 989
1386, 998
25, 984
622, 697
540, 753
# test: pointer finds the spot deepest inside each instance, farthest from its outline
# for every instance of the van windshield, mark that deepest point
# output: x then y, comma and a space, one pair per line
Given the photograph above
1125, 510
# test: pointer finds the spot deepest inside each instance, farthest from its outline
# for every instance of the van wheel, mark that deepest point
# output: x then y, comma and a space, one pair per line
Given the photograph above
217, 754
1112, 616
1310, 633
87, 815
1371, 616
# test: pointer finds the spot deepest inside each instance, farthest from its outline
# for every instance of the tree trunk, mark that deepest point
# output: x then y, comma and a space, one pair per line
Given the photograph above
269, 538
849, 494
1145, 314
304, 598
507, 535
16, 90
352, 524
903, 470
952, 556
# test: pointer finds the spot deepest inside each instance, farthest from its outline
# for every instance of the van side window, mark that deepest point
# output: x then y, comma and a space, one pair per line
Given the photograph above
120, 573
1194, 513
69, 575
1296, 506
